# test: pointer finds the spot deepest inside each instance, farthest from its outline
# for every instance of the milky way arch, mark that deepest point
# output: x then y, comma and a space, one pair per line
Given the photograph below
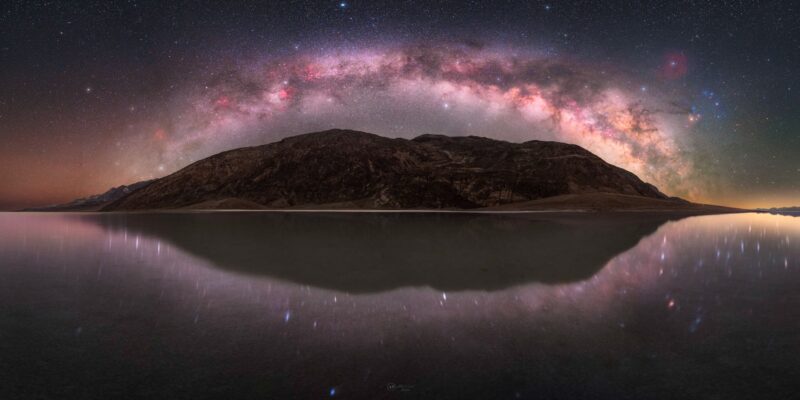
450, 89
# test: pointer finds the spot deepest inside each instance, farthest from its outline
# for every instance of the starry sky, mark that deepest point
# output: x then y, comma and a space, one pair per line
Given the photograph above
699, 98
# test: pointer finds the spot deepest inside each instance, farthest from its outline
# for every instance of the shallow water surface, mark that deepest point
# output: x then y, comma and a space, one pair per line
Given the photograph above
373, 306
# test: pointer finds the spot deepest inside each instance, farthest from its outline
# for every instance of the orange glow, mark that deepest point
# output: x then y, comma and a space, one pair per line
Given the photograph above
160, 134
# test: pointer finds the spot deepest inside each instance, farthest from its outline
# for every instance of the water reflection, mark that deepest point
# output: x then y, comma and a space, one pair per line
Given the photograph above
372, 252
124, 306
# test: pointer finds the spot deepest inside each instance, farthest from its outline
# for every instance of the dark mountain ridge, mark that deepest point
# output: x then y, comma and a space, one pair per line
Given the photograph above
793, 211
358, 170
94, 202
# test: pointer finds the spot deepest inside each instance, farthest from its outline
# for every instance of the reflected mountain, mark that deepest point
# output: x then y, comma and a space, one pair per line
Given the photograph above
374, 252
786, 213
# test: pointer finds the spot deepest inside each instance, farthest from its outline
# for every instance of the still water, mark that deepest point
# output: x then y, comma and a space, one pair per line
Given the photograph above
398, 306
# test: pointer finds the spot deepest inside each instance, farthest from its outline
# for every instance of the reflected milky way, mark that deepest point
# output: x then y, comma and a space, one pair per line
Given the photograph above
696, 300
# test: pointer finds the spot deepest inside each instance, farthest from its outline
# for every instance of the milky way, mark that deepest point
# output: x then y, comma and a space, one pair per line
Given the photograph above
699, 100
405, 91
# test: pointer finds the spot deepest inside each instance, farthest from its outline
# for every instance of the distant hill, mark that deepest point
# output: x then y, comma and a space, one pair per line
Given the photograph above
344, 169
782, 210
95, 202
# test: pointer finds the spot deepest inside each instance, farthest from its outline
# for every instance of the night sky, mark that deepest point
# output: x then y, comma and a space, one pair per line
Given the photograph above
698, 98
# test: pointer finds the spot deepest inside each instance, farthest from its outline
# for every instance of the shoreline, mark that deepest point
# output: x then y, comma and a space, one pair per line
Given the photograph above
401, 211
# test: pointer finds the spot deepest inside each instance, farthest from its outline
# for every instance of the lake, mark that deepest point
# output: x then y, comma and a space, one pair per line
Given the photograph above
262, 305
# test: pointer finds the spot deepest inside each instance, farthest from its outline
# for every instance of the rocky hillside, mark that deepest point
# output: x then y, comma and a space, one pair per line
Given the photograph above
95, 202
349, 169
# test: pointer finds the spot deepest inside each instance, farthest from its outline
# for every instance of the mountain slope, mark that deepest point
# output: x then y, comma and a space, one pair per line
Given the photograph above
95, 202
350, 169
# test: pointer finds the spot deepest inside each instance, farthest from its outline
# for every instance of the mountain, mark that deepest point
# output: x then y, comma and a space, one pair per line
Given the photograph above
794, 211
347, 169
95, 202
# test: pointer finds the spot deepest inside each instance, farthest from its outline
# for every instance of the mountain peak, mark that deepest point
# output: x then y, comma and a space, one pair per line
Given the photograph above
336, 134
